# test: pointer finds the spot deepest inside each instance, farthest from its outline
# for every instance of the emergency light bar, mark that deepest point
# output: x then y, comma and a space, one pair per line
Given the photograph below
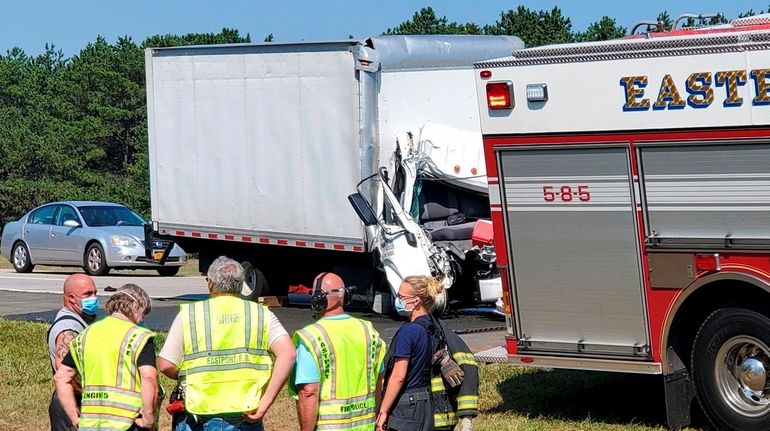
499, 95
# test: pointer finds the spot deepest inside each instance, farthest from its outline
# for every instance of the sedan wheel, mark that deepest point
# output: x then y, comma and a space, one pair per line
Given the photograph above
95, 260
21, 261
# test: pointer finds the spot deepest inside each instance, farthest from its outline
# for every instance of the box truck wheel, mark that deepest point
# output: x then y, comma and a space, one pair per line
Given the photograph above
730, 364
168, 271
255, 284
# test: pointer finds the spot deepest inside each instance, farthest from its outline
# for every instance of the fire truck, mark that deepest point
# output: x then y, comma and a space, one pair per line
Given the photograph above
629, 186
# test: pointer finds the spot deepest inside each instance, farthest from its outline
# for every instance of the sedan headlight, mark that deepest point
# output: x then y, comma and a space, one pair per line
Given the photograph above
123, 241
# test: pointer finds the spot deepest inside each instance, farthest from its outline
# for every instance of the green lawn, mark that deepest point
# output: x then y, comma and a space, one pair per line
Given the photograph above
512, 398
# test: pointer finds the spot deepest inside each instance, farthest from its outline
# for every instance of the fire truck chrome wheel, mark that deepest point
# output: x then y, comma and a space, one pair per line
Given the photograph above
741, 372
729, 365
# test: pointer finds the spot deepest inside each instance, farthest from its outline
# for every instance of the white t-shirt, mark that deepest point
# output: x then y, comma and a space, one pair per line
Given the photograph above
173, 348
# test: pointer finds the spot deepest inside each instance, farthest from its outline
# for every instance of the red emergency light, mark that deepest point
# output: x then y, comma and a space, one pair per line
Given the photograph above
707, 262
499, 95
485, 74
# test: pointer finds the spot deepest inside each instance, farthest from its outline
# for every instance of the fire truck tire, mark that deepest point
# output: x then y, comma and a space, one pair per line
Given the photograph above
730, 364
255, 284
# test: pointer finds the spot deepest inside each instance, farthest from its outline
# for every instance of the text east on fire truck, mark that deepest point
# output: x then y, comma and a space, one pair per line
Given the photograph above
629, 184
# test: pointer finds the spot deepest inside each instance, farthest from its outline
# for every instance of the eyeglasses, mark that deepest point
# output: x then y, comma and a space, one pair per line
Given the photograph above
403, 297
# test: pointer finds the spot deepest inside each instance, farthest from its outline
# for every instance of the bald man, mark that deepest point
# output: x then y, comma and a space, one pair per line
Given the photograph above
79, 309
338, 371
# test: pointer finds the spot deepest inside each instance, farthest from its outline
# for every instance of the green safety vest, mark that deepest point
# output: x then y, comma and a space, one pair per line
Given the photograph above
349, 354
105, 355
226, 363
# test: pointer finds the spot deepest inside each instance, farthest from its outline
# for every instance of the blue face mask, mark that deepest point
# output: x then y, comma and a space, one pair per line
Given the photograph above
141, 323
401, 307
89, 305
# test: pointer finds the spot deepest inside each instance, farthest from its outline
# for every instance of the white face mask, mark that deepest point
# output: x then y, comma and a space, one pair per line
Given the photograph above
401, 306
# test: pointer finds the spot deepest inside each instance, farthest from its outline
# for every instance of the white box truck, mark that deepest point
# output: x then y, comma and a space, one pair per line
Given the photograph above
254, 150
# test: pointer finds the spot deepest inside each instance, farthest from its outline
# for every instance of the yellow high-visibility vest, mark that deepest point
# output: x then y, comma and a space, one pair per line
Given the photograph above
226, 361
349, 354
105, 355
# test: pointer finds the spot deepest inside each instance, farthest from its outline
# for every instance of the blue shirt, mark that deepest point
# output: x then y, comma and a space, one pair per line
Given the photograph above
306, 369
411, 341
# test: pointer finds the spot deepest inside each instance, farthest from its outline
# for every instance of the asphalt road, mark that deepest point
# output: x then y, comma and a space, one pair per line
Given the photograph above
37, 297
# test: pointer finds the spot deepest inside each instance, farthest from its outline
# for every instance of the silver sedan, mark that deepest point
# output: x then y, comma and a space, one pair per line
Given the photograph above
96, 236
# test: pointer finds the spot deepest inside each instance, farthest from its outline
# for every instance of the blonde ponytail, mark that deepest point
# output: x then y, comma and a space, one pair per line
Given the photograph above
426, 288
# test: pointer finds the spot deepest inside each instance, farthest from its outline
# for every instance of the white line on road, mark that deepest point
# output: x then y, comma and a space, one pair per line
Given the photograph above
6, 277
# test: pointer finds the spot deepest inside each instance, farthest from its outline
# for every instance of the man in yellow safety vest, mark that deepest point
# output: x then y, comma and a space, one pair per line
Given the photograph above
115, 360
221, 350
338, 374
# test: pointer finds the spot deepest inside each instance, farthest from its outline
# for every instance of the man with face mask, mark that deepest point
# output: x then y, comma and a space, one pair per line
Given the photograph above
339, 368
112, 362
79, 309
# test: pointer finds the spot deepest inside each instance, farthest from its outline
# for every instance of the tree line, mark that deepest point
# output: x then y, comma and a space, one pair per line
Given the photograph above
76, 128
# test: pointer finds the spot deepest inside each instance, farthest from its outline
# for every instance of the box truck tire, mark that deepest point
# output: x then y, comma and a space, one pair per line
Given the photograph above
255, 284
168, 271
730, 363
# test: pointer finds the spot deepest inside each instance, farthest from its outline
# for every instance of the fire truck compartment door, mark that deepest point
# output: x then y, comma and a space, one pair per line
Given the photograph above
574, 251
701, 195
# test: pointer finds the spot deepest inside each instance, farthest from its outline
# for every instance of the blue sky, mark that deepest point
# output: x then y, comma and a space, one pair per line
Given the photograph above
71, 24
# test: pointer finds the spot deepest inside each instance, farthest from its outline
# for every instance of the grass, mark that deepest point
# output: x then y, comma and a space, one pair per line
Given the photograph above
512, 398
191, 269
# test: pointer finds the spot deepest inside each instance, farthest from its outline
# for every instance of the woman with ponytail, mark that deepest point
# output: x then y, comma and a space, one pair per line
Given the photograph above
406, 403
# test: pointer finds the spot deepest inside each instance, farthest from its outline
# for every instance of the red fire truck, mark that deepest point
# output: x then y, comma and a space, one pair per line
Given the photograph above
629, 184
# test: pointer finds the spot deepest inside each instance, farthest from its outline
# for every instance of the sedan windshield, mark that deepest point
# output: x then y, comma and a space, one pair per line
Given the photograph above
110, 216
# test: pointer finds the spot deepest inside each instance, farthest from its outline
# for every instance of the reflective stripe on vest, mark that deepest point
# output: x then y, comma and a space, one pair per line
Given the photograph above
105, 355
346, 401
226, 362
444, 420
441, 419
468, 402
463, 358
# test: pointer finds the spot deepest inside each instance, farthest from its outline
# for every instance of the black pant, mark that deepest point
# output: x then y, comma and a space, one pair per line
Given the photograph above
59, 419
413, 411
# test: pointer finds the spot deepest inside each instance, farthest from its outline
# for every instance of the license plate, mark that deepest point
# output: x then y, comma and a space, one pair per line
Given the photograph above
157, 255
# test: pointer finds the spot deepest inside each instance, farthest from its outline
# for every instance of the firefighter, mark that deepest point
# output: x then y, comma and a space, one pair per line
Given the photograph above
115, 361
222, 350
339, 369
406, 403
455, 394
79, 309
